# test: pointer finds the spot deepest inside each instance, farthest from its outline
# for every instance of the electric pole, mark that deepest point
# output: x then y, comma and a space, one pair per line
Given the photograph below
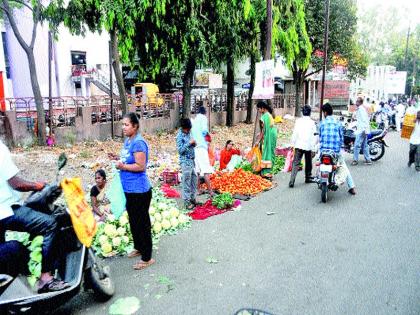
324, 65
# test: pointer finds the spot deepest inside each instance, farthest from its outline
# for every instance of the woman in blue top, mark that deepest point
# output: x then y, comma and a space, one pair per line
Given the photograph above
137, 189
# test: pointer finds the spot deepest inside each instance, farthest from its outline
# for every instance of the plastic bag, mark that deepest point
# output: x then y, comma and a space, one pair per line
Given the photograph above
234, 162
254, 158
288, 164
341, 174
115, 194
81, 213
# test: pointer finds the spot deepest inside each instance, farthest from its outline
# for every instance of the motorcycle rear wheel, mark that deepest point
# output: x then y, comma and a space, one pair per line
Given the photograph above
324, 192
376, 150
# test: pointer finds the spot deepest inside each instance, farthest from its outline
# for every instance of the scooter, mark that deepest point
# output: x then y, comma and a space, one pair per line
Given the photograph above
76, 265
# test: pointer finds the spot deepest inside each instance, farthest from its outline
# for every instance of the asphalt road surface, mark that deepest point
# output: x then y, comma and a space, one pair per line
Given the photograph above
354, 255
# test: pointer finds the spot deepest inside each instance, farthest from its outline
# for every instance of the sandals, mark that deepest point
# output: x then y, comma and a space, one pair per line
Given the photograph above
143, 264
53, 285
134, 253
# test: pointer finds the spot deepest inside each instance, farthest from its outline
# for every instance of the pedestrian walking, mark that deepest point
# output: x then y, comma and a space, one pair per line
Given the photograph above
303, 142
199, 131
399, 116
331, 138
414, 154
185, 145
362, 131
137, 189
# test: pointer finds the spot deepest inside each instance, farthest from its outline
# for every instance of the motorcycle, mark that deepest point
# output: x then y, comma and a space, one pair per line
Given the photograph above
376, 141
326, 173
76, 264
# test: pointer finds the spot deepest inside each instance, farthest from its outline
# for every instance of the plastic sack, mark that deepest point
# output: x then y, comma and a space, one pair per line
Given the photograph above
81, 213
234, 162
288, 164
212, 156
115, 194
341, 174
254, 158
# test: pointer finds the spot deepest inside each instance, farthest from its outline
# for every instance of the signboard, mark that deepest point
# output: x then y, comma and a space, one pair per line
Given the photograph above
395, 82
337, 92
264, 80
215, 81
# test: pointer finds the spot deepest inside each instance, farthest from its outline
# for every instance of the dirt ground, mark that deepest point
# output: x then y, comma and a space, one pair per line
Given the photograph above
39, 163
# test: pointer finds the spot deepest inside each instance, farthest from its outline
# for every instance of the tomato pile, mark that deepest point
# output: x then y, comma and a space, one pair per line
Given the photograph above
239, 182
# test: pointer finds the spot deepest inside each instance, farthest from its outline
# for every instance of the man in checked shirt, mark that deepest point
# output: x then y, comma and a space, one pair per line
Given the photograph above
331, 138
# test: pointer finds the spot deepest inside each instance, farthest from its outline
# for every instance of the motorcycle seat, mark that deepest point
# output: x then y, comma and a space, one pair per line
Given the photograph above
375, 133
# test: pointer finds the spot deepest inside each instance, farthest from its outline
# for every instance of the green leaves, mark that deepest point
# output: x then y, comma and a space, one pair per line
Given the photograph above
223, 201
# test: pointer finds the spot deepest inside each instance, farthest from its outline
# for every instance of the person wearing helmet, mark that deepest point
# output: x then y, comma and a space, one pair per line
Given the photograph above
303, 141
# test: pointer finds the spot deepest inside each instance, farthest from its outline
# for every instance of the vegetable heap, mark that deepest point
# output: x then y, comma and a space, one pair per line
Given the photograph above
246, 166
114, 236
279, 162
239, 182
223, 201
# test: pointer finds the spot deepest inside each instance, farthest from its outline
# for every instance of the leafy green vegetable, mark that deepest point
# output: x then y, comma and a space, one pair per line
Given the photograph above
223, 201
246, 166
279, 162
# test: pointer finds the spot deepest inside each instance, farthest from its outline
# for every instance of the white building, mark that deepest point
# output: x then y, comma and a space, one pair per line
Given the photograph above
77, 61
381, 83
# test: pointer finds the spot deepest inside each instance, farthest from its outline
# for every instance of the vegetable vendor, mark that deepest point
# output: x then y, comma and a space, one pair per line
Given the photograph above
99, 201
227, 153
267, 139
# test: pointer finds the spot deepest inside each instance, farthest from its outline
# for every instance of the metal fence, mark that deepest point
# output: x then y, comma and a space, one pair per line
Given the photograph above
65, 109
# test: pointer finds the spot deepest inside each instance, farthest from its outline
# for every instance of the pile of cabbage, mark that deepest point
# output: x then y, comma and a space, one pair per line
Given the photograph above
114, 236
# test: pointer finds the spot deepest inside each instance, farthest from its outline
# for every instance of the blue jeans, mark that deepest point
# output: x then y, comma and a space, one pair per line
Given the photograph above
35, 223
361, 142
349, 178
189, 182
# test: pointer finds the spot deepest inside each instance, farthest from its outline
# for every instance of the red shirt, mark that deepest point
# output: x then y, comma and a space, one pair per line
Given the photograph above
226, 155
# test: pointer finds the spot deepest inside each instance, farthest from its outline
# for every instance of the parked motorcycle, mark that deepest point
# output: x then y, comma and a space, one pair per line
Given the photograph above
326, 173
76, 265
375, 141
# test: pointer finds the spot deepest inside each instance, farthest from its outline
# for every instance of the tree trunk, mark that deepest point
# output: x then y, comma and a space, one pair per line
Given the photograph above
187, 81
298, 77
249, 108
38, 98
117, 70
230, 91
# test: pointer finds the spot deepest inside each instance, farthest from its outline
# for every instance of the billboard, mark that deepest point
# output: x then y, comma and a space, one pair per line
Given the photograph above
264, 80
337, 92
395, 82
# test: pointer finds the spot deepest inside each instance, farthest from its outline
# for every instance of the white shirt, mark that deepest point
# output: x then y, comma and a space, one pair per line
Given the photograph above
415, 136
303, 134
8, 196
199, 130
363, 124
400, 110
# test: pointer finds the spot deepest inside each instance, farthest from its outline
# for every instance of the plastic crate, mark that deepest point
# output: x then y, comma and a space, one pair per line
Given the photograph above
170, 178
406, 131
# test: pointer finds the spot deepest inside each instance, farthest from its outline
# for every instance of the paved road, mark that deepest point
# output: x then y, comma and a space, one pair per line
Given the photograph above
353, 255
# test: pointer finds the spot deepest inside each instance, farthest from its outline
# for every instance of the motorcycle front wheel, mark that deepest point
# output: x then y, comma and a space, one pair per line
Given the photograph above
101, 282
376, 150
324, 192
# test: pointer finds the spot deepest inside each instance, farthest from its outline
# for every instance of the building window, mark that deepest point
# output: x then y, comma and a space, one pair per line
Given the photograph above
6, 54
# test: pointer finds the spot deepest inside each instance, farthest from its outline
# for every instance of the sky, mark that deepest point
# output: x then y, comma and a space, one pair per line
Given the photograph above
412, 6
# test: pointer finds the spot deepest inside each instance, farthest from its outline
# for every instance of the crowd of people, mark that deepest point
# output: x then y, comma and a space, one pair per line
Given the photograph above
197, 164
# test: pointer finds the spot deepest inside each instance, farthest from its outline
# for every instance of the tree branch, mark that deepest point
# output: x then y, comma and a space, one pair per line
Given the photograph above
24, 4
11, 18
34, 28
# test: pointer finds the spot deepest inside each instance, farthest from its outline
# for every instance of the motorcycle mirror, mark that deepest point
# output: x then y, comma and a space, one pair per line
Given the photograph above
62, 161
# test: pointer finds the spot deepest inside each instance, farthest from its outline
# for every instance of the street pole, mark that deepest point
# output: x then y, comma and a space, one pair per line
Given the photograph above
110, 90
50, 109
406, 47
324, 66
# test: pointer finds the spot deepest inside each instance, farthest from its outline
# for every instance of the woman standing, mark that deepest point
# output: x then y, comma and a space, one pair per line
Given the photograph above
267, 139
137, 189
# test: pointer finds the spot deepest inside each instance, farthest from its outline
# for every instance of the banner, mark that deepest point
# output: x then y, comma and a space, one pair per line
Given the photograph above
215, 81
264, 80
395, 82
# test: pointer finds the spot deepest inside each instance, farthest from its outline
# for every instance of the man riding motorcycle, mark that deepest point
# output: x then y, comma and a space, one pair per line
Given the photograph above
14, 216
331, 138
